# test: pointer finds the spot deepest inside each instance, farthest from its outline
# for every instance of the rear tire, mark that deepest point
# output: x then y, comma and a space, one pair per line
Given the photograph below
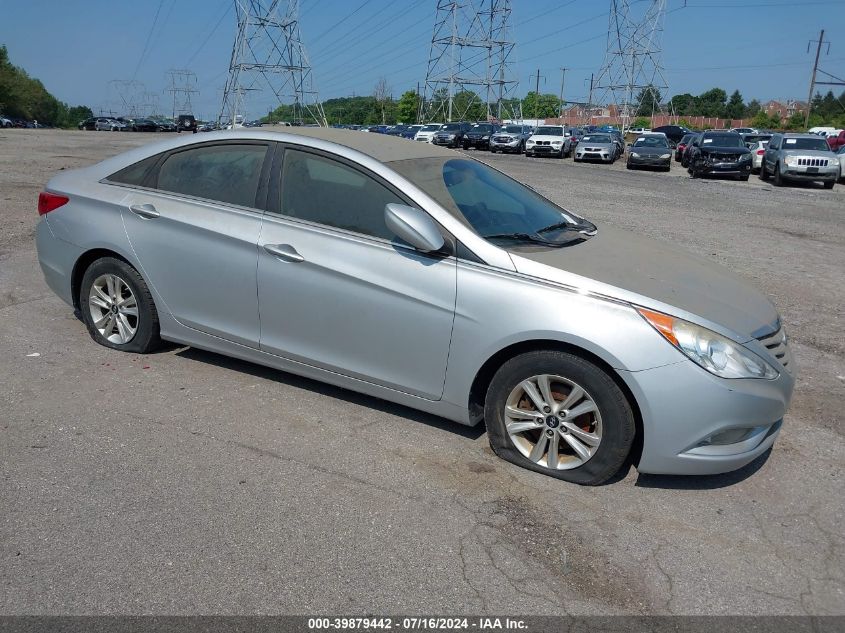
112, 282
764, 175
602, 434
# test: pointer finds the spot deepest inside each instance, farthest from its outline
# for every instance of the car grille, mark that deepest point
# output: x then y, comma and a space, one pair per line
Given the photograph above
812, 162
594, 149
543, 142
502, 139
777, 344
724, 158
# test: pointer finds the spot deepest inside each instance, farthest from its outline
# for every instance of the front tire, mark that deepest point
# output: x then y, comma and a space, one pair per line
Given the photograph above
117, 307
778, 178
557, 414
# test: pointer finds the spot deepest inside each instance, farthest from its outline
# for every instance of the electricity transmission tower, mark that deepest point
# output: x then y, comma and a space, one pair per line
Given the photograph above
182, 85
126, 95
470, 54
268, 54
633, 59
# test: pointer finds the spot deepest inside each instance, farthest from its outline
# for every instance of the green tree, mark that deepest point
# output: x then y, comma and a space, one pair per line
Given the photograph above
736, 106
683, 104
712, 103
542, 106
408, 106
648, 101
752, 108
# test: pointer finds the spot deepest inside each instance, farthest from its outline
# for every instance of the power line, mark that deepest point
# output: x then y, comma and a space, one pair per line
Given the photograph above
147, 43
213, 31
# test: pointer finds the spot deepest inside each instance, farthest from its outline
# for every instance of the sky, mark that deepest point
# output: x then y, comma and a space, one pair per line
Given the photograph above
77, 48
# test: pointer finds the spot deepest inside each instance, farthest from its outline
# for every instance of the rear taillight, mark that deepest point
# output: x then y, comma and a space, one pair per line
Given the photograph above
50, 201
760, 152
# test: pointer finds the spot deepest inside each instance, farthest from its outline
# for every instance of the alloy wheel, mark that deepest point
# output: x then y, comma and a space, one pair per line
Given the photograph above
114, 309
553, 422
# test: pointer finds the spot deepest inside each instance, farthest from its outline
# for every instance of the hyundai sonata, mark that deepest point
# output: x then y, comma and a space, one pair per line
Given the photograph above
415, 274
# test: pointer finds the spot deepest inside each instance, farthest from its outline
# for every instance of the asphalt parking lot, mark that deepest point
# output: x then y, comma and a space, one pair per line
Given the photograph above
185, 482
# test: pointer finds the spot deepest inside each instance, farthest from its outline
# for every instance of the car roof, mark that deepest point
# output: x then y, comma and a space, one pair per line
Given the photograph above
799, 135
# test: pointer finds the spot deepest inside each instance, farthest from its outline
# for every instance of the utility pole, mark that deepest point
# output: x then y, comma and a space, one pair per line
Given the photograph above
562, 79
537, 95
813, 77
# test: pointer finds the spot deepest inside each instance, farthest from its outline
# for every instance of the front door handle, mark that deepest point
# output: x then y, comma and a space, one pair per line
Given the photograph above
285, 252
144, 210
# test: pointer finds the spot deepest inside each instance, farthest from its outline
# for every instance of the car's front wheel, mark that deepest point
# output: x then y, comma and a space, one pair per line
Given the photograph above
117, 307
560, 415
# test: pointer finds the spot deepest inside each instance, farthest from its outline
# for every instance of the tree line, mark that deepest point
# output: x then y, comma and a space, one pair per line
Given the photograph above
24, 97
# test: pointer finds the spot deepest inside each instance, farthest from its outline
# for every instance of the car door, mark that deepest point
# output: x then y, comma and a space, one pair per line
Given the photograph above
770, 157
194, 227
337, 290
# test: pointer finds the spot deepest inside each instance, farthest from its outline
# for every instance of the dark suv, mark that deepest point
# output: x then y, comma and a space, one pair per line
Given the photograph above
186, 122
720, 154
451, 134
479, 136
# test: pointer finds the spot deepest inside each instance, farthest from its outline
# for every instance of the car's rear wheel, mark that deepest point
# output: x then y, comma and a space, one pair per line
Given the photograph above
117, 307
560, 415
764, 175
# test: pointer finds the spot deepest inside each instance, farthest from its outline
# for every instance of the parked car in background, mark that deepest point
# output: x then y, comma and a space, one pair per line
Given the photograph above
744, 130
619, 139
804, 157
639, 130
163, 124
841, 156
673, 132
597, 146
549, 140
451, 134
411, 131
753, 139
682, 145
510, 138
575, 136
144, 125
427, 131
650, 150
88, 124
4, 122
478, 136
837, 141
187, 123
720, 154
757, 149
429, 279
109, 124
691, 144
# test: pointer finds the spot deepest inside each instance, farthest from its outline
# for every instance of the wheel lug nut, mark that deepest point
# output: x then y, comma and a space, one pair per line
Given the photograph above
549, 432
547, 409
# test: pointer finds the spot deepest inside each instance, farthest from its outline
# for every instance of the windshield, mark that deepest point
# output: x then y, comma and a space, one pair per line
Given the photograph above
549, 131
513, 129
483, 127
816, 144
651, 141
431, 127
491, 203
723, 140
597, 138
451, 127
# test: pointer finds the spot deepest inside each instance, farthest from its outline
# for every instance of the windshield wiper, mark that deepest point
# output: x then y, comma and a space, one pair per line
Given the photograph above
525, 237
584, 229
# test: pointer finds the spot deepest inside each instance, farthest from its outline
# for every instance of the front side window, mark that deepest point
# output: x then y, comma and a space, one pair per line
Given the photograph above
223, 173
328, 192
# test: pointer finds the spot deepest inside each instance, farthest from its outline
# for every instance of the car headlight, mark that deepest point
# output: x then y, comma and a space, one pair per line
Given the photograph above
530, 142
792, 161
745, 157
713, 352
666, 156
557, 143
484, 138
634, 155
834, 162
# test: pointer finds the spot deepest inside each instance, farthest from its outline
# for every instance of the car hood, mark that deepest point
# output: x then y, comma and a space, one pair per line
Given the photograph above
652, 274
546, 137
594, 144
815, 153
477, 134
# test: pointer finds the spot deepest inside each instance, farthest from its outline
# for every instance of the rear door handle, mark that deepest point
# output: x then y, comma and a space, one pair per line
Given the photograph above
144, 210
285, 252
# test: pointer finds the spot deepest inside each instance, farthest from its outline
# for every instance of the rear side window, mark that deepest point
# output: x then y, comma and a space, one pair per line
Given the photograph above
331, 193
225, 173
135, 174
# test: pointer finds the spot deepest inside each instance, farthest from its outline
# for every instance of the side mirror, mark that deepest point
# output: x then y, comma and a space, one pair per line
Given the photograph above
414, 226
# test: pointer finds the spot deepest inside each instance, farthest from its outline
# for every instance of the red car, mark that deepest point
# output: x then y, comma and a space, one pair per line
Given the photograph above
681, 146
837, 141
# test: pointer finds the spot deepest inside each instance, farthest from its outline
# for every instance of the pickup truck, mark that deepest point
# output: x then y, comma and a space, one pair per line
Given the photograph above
837, 141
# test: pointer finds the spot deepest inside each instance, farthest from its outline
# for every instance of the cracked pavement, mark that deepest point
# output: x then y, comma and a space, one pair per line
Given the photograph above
185, 482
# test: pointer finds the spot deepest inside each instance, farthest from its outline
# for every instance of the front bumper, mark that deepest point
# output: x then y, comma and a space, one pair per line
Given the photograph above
510, 146
803, 173
479, 143
724, 169
447, 141
606, 157
683, 407
544, 150
649, 161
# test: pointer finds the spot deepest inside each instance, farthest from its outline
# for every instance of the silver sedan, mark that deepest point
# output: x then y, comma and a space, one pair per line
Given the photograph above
417, 275
596, 147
